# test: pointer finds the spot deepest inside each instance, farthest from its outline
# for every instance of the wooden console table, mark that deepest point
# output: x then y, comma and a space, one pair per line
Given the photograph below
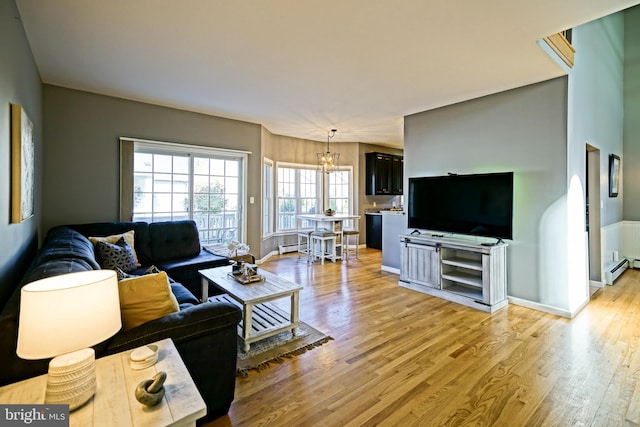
114, 403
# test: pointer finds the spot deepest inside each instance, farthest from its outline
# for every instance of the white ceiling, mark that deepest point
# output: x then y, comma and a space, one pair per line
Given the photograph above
301, 67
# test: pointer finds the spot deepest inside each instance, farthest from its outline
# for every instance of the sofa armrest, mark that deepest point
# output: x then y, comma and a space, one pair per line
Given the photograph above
185, 270
184, 325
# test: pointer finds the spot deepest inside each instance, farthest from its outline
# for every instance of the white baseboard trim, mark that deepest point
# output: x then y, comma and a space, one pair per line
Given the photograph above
390, 269
596, 284
548, 308
267, 256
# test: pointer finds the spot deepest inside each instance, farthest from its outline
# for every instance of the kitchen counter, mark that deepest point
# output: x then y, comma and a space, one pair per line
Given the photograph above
384, 212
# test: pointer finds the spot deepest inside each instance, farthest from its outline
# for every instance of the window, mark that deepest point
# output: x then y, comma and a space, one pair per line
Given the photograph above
340, 191
160, 187
302, 190
175, 182
267, 197
299, 192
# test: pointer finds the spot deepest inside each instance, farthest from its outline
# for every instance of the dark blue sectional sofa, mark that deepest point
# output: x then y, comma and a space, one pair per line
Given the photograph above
205, 334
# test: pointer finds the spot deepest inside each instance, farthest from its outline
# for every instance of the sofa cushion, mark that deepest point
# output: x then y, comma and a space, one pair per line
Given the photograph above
129, 237
141, 235
182, 294
116, 255
173, 240
139, 271
184, 297
145, 298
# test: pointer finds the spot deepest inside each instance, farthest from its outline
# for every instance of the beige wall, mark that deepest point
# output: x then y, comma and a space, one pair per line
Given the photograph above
294, 150
81, 153
302, 151
81, 167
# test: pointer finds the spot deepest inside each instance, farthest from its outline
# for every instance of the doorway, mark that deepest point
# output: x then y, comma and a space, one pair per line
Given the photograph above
592, 212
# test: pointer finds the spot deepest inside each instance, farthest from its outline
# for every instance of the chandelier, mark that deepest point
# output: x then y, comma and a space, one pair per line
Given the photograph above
328, 162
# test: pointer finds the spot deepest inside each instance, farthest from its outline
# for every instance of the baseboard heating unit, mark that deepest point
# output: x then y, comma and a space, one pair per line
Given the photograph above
614, 271
283, 249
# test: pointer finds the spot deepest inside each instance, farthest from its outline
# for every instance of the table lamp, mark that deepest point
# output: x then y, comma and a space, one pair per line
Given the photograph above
60, 317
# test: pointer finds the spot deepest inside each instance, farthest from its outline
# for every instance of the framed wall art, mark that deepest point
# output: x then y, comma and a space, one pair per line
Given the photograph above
22, 165
614, 175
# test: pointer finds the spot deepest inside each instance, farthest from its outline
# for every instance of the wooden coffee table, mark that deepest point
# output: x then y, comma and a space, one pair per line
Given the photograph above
260, 318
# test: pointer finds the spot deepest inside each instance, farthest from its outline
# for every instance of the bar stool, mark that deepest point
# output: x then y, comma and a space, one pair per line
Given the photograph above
346, 233
322, 238
305, 235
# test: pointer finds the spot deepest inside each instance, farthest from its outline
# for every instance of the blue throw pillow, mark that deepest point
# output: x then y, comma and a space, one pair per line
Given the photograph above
119, 255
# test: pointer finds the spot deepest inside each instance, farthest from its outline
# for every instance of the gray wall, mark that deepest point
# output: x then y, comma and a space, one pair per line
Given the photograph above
596, 102
596, 92
631, 135
19, 84
81, 154
523, 130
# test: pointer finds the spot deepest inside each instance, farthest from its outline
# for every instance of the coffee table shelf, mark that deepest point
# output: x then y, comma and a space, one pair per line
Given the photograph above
260, 318
267, 318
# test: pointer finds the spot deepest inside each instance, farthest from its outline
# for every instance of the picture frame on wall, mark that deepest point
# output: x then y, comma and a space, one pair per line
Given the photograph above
22, 165
614, 175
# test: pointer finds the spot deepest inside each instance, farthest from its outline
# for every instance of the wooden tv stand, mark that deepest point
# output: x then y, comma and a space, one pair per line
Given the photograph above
457, 270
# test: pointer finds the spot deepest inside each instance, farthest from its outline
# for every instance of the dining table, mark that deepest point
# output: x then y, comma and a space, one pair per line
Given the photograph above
333, 223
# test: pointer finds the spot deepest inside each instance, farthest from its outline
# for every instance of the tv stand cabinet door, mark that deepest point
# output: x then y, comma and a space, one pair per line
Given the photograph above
420, 264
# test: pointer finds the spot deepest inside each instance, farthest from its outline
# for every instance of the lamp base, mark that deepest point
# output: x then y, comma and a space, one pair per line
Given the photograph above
72, 378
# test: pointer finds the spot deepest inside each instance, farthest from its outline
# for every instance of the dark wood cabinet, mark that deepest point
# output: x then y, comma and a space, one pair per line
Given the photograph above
384, 174
374, 231
397, 168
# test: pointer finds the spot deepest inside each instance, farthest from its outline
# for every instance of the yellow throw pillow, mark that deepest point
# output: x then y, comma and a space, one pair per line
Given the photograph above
129, 237
145, 298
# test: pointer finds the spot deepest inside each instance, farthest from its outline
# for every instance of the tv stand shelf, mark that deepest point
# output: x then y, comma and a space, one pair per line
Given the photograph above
465, 263
468, 292
458, 270
461, 277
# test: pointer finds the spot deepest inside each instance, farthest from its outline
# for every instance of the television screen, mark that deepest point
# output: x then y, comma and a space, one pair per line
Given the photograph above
478, 205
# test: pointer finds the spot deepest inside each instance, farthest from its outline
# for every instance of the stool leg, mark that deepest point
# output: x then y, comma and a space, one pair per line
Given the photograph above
357, 243
333, 250
345, 247
322, 248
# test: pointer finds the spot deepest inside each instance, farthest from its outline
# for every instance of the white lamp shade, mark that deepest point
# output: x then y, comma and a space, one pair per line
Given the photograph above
65, 313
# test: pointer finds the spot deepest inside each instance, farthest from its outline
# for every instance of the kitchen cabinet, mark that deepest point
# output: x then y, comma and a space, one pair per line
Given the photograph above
397, 170
374, 230
384, 174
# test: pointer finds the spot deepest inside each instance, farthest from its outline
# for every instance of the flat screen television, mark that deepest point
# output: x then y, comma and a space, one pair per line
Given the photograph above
477, 205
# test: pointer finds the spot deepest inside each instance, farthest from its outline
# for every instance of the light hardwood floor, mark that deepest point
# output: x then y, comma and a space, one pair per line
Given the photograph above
403, 358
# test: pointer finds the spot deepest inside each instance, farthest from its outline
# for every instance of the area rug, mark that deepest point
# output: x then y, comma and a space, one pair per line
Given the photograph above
278, 348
